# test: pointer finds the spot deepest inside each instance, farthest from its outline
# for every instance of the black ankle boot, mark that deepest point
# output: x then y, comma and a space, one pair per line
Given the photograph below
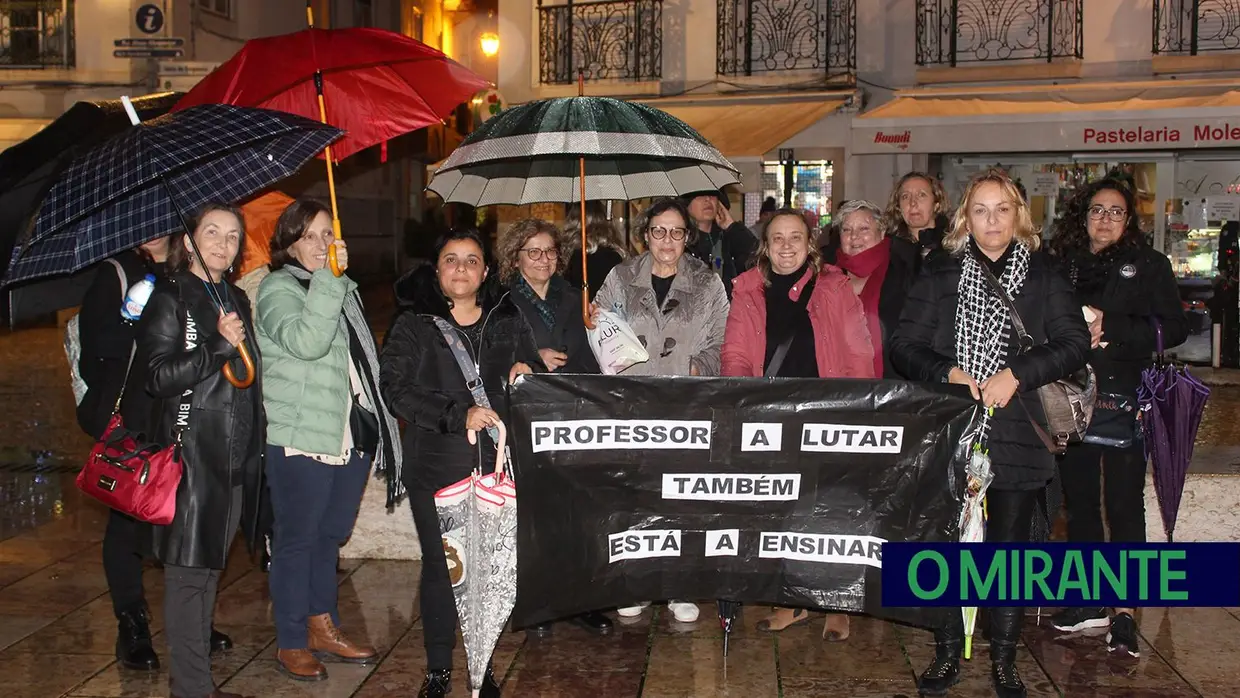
437, 684
944, 671
1005, 635
1003, 673
133, 642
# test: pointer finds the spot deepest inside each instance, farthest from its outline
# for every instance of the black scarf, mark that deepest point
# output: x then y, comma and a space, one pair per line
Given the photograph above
547, 308
1090, 273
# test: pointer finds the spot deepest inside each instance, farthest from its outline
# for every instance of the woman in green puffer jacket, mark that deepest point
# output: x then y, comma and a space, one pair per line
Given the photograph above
326, 425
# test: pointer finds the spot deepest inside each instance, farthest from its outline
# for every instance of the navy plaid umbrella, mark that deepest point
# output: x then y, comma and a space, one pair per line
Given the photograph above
121, 194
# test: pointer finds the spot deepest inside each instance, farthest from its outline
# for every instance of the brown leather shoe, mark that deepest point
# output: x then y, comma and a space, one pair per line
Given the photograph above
300, 665
326, 639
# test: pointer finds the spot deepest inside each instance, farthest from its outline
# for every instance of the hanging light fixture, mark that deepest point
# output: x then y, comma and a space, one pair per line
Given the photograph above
490, 44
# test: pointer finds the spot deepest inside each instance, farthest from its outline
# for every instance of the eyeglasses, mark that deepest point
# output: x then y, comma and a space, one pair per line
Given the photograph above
677, 234
1115, 214
537, 253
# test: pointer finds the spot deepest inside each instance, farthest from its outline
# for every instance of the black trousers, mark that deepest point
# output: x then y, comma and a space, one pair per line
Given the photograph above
122, 561
1092, 475
438, 604
1009, 516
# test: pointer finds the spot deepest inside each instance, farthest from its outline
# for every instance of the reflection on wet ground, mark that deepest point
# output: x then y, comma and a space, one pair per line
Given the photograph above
57, 630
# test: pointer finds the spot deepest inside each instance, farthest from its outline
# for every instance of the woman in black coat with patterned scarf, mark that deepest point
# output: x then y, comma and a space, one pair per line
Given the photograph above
956, 329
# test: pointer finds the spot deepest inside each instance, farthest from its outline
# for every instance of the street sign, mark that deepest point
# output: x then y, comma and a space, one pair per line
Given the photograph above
148, 53
150, 42
149, 18
786, 155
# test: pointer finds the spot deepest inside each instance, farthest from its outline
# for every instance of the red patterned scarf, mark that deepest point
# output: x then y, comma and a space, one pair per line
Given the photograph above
871, 265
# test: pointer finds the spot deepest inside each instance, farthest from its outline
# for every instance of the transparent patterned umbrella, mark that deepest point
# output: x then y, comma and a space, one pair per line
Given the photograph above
478, 522
973, 523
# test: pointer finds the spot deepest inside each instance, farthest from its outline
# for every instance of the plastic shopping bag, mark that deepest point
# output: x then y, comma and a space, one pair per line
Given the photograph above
614, 343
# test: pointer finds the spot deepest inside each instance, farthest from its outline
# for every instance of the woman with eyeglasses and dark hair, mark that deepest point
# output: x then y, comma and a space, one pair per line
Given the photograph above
1125, 288
450, 312
677, 305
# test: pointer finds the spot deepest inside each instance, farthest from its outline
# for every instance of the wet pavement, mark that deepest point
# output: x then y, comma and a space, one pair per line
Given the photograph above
57, 630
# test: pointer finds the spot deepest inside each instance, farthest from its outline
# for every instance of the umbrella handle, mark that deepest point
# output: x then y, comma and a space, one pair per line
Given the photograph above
331, 249
248, 362
585, 272
501, 447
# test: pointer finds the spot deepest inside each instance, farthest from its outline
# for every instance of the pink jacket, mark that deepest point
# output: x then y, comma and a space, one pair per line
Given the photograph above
841, 335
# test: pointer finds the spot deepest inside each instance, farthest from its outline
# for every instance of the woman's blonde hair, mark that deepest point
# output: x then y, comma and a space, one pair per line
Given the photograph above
515, 238
763, 255
895, 220
958, 235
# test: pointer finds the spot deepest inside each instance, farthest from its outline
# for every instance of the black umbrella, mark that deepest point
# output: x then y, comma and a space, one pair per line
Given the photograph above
533, 153
28, 170
575, 149
136, 186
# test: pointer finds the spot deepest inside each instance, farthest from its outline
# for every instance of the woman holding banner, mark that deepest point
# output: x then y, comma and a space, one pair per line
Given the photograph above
451, 317
678, 305
880, 269
530, 261
794, 317
955, 329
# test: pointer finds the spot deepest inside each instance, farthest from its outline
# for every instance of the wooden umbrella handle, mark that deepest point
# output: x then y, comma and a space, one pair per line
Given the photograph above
248, 362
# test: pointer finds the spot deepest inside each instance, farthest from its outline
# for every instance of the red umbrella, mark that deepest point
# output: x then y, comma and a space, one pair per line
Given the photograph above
374, 84
377, 84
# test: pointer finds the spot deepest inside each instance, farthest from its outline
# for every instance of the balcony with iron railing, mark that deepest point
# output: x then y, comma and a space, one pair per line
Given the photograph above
36, 34
1196, 35
764, 37
608, 41
1025, 38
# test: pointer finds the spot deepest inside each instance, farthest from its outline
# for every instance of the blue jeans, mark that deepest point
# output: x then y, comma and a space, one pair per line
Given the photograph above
315, 506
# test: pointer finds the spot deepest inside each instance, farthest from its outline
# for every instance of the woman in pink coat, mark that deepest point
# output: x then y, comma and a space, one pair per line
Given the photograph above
793, 316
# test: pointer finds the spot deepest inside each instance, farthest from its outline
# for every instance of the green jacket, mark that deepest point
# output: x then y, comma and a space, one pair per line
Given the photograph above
304, 342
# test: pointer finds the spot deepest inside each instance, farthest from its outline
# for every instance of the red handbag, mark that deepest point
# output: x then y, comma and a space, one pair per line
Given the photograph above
131, 476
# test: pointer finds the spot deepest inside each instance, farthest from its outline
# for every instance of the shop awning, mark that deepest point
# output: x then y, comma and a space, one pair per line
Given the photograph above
1161, 115
751, 129
913, 106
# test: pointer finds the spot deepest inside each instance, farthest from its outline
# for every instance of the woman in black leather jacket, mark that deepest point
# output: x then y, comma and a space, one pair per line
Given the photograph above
424, 386
185, 342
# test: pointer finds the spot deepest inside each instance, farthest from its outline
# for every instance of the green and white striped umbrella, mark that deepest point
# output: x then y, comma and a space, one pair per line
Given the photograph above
531, 154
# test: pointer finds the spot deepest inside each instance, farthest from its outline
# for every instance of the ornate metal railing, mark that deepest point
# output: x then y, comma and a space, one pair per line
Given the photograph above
610, 40
950, 32
36, 34
1188, 27
763, 36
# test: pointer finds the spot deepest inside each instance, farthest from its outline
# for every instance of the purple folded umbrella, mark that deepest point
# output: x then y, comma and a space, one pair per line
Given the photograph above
1171, 402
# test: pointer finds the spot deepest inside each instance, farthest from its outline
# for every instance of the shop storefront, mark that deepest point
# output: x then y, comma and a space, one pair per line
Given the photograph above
1179, 146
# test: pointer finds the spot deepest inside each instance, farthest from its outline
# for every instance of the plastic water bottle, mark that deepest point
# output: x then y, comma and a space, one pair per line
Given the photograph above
135, 300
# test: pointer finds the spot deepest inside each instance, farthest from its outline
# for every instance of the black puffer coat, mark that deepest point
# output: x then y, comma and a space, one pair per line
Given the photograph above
1131, 286
223, 442
924, 349
423, 385
568, 335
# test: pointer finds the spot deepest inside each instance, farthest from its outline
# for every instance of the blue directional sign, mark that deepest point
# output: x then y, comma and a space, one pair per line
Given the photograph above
150, 19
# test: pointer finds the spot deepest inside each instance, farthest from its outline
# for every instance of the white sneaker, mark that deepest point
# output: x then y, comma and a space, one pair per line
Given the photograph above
632, 611
683, 611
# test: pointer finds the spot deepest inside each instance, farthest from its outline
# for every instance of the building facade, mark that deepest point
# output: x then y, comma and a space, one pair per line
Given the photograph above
818, 101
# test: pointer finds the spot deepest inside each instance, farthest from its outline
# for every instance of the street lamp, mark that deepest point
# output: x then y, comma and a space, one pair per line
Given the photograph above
490, 44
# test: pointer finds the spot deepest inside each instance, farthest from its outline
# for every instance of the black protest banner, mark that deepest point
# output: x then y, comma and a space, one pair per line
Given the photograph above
753, 490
